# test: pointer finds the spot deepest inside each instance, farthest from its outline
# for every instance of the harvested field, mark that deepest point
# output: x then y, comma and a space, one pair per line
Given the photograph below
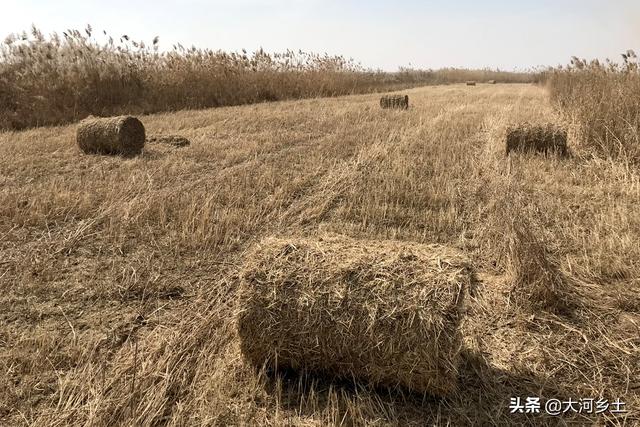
121, 277
385, 313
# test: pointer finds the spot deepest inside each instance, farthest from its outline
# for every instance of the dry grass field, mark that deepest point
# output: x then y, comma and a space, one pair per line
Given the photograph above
119, 276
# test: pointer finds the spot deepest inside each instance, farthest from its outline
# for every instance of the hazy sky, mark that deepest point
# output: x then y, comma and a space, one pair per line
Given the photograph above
508, 34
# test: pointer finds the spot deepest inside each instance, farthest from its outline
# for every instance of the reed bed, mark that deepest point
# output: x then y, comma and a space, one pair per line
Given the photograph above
63, 78
602, 101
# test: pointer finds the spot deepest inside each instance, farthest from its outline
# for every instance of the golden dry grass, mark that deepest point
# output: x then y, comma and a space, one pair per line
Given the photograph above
119, 276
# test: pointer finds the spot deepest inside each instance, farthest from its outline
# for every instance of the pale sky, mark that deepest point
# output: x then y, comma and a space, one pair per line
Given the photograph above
508, 34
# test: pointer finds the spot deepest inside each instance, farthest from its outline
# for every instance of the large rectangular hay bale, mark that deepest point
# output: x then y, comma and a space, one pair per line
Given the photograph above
395, 101
386, 313
545, 138
111, 135
471, 83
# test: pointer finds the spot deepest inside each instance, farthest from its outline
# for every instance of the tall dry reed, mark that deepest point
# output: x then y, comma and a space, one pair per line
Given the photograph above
602, 100
63, 78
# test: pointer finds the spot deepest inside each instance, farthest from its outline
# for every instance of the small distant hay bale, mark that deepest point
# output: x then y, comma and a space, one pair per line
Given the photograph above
471, 83
123, 135
173, 140
546, 138
491, 82
395, 101
386, 313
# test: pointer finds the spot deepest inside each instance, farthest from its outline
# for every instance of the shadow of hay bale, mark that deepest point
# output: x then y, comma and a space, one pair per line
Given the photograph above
395, 102
386, 313
123, 135
487, 390
482, 398
172, 140
547, 138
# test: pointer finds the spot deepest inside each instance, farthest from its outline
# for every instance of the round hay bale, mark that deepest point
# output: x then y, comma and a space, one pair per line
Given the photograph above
123, 135
395, 101
405, 104
545, 138
386, 313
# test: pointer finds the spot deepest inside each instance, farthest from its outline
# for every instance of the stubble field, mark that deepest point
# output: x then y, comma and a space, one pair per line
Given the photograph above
119, 276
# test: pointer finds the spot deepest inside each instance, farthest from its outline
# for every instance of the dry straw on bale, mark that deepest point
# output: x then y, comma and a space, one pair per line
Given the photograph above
537, 282
395, 101
492, 82
173, 140
112, 135
547, 138
386, 313
471, 83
